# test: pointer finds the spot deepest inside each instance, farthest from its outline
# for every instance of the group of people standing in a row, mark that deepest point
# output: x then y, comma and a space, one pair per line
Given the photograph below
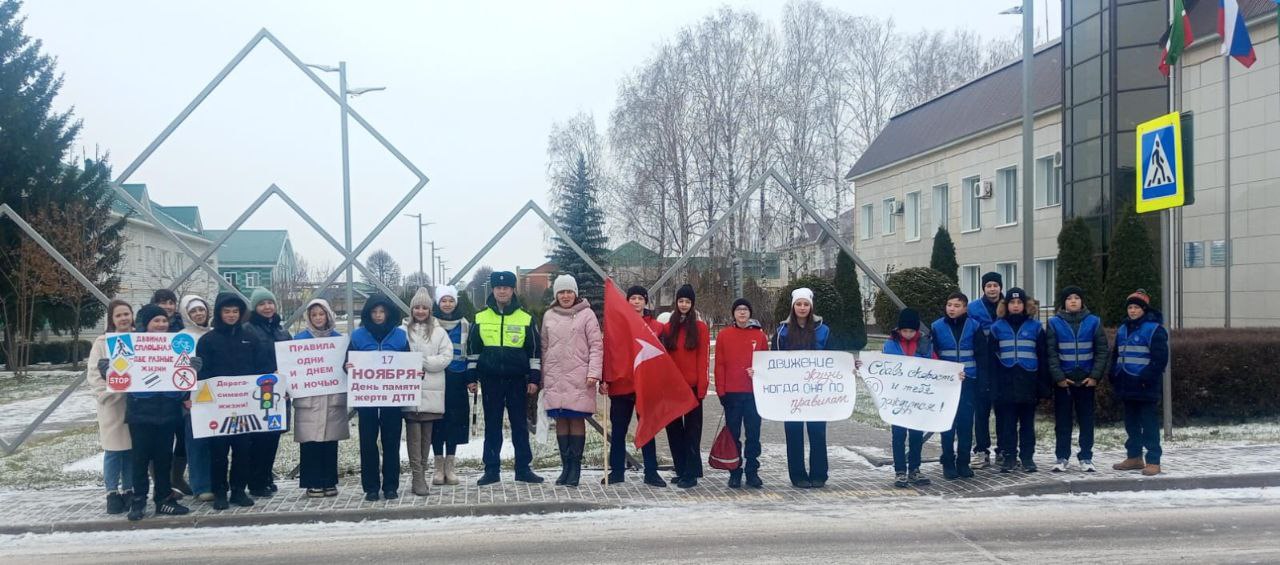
1010, 361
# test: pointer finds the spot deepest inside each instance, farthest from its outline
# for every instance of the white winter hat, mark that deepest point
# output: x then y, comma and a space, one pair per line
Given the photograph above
801, 293
565, 282
446, 290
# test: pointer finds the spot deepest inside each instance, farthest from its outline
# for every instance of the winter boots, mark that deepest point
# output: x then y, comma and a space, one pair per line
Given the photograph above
437, 477
563, 442
116, 503
450, 472
137, 508
571, 448
175, 476
1150, 470
1130, 464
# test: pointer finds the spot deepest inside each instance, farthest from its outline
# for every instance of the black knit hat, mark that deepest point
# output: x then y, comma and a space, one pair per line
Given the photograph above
1017, 293
1068, 291
638, 290
908, 319
741, 302
502, 278
148, 313
686, 291
992, 277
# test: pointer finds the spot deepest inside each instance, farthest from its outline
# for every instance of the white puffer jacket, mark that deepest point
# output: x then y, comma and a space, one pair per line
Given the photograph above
437, 353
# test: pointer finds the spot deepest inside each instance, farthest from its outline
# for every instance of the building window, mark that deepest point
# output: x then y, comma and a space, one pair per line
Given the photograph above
941, 207
911, 216
251, 279
1047, 280
971, 281
1007, 196
868, 216
230, 278
1009, 272
890, 225
971, 204
1048, 182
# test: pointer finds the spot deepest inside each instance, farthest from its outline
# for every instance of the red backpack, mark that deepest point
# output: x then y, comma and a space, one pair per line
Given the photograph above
724, 452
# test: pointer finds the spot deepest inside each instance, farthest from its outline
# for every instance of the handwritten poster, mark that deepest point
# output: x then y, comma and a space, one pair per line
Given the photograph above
384, 378
150, 362
804, 385
913, 392
313, 367
226, 406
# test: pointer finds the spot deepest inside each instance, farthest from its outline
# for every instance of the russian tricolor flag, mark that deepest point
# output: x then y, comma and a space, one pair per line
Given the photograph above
1235, 36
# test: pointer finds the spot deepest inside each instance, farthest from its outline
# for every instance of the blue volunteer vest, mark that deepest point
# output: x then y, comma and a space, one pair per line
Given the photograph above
978, 313
1134, 349
949, 350
1017, 349
923, 349
1075, 349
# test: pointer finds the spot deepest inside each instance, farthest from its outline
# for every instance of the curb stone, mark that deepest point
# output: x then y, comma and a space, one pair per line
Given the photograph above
1136, 484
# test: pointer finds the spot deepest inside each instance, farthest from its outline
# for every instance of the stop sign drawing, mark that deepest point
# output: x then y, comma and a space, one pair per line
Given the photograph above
118, 382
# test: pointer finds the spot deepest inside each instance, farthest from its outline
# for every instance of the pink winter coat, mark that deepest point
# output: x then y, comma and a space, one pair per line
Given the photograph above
572, 352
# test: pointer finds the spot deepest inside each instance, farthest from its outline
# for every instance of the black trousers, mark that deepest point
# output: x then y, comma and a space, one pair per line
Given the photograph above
1073, 405
795, 431
1017, 437
982, 408
958, 441
263, 447
907, 445
152, 447
510, 395
180, 440
621, 408
740, 414
318, 464
234, 449
380, 472
1141, 423
685, 436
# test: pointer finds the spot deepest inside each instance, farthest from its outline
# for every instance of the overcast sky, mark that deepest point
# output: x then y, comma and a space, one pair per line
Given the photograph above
472, 90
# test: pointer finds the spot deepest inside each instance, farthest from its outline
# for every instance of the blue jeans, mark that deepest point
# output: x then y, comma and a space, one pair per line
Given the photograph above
199, 463
1142, 424
906, 449
117, 470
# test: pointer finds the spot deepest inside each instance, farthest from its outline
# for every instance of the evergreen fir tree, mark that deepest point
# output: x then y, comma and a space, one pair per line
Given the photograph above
943, 258
848, 327
578, 213
1131, 266
1076, 264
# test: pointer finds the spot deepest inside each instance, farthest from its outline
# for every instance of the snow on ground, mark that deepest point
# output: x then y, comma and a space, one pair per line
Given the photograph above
90, 464
81, 407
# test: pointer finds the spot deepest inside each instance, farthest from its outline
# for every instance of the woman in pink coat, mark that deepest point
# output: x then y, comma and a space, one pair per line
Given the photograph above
572, 356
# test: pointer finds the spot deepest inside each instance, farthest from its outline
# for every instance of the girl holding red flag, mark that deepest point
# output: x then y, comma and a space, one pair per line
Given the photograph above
689, 342
621, 387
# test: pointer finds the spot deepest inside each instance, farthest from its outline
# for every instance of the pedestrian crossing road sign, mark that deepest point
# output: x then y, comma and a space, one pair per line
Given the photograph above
1160, 166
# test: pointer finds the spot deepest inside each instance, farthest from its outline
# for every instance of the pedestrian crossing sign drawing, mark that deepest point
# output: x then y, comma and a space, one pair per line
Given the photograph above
1160, 165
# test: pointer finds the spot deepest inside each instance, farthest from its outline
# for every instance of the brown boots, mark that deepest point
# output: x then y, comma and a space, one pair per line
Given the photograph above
1150, 470
418, 441
1130, 464
437, 478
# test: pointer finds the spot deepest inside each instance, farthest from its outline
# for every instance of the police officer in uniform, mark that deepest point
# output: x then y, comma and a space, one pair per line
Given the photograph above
504, 356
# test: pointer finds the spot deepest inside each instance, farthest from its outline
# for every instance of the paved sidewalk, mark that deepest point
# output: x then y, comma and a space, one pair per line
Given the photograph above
82, 509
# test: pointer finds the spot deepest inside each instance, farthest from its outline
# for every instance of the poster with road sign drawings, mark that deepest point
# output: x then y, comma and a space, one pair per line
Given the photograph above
225, 406
150, 362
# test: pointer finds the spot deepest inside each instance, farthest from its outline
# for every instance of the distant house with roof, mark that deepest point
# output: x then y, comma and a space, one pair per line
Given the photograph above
813, 252
534, 283
250, 259
151, 259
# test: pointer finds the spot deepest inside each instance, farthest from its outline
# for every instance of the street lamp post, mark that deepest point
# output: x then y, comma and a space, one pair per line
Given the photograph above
343, 93
421, 268
1028, 146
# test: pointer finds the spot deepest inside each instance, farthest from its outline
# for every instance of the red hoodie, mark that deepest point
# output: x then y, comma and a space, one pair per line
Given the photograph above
734, 348
693, 364
622, 385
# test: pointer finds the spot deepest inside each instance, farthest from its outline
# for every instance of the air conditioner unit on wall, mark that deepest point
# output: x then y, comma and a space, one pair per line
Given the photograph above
899, 208
1057, 159
986, 189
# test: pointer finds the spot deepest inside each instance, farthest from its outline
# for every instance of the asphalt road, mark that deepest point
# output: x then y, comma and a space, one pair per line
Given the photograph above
1153, 528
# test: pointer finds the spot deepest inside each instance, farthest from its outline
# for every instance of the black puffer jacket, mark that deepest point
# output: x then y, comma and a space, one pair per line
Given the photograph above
270, 331
233, 350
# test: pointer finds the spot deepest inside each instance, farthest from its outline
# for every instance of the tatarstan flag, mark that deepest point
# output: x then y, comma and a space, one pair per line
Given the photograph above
631, 348
1178, 36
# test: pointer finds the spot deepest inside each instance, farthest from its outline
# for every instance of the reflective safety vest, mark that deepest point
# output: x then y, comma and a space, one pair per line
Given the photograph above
923, 348
978, 313
1075, 349
949, 350
1020, 348
497, 330
1134, 349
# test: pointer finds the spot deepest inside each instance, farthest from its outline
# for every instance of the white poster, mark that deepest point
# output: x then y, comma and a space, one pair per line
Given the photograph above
806, 386
226, 406
150, 362
384, 378
312, 367
913, 392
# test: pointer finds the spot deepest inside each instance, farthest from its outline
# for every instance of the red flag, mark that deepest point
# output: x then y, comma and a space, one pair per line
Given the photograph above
631, 348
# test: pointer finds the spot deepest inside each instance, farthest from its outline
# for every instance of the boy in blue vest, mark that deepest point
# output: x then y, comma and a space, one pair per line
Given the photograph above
1077, 353
1020, 378
959, 339
906, 340
1137, 377
983, 311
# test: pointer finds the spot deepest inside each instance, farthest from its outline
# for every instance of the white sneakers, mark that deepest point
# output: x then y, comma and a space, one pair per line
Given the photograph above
1060, 466
1087, 466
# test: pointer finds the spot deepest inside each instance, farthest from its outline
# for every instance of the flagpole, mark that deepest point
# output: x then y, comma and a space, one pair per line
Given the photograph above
608, 445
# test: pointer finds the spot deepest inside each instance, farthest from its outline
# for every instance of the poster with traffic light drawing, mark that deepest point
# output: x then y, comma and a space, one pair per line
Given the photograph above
225, 406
